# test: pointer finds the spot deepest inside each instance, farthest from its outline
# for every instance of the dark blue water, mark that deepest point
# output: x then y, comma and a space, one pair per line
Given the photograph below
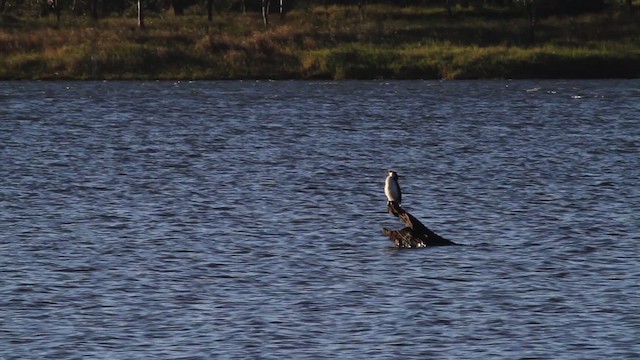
242, 220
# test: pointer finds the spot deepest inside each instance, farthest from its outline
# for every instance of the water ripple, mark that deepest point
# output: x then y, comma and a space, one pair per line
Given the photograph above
242, 220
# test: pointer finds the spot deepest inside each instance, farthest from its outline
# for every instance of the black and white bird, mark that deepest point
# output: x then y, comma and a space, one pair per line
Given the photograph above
392, 188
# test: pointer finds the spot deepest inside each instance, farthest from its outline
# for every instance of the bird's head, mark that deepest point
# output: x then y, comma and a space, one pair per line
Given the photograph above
392, 174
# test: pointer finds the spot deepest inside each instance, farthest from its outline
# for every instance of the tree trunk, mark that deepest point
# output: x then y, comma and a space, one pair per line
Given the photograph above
178, 10
265, 11
140, 15
2, 4
415, 234
210, 10
530, 6
281, 9
56, 8
449, 10
93, 8
532, 22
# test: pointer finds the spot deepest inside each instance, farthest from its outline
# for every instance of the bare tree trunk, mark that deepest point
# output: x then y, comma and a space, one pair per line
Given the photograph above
281, 9
210, 10
140, 15
449, 10
2, 4
265, 11
361, 9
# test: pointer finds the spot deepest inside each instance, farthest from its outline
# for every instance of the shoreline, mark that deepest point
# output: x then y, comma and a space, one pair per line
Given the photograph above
391, 43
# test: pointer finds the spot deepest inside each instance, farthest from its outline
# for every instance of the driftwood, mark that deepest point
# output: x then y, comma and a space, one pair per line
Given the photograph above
415, 234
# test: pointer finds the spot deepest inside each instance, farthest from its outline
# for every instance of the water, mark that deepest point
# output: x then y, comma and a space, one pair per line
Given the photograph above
229, 220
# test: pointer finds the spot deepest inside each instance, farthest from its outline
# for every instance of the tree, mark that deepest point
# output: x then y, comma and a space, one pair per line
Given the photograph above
55, 5
539, 8
93, 9
180, 5
448, 5
140, 15
210, 10
530, 7
265, 11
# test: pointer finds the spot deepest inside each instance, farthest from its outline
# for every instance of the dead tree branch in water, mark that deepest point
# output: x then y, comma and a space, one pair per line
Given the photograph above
415, 234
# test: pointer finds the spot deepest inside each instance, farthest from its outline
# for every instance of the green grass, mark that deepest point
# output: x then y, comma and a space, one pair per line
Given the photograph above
323, 42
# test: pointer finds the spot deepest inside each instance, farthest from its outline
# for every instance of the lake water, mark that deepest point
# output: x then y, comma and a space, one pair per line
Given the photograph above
242, 220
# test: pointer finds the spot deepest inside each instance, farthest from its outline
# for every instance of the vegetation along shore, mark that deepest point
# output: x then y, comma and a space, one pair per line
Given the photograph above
218, 39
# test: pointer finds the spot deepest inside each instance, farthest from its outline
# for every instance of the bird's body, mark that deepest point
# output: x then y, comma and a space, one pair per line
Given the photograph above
392, 188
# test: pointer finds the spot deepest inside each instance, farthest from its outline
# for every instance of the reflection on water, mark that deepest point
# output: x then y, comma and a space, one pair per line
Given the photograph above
243, 219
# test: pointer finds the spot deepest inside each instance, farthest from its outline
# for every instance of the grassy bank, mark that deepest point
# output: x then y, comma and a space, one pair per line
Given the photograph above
331, 43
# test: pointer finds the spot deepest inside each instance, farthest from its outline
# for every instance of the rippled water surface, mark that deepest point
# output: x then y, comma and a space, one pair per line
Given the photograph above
242, 220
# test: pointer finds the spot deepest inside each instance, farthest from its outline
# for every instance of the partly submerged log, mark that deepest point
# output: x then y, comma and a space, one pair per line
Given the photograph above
415, 234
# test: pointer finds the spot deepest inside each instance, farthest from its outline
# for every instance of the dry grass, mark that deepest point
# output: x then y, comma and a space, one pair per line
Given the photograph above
323, 42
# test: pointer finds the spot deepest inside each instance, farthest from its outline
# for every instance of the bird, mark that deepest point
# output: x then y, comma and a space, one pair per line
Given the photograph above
392, 188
